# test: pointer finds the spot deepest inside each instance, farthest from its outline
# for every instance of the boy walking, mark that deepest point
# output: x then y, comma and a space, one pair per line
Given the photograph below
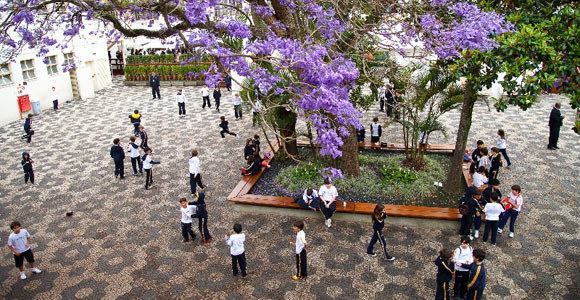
225, 129
187, 212
148, 163
144, 137
28, 129
19, 244
194, 173
135, 119
27, 166
301, 244
118, 156
237, 251
133, 150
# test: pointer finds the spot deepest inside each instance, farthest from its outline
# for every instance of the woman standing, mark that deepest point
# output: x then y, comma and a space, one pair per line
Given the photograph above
379, 216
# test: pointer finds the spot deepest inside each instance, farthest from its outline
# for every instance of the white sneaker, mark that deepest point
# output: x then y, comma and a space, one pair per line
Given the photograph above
22, 275
499, 230
476, 234
471, 237
329, 222
511, 234
36, 270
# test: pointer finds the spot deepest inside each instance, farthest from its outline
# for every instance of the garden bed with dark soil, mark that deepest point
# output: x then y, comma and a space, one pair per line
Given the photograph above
382, 180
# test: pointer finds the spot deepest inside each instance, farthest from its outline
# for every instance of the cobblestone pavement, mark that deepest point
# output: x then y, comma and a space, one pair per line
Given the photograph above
124, 242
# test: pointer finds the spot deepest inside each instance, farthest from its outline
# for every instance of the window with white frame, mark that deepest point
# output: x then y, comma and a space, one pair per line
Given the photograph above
69, 61
51, 66
27, 67
5, 77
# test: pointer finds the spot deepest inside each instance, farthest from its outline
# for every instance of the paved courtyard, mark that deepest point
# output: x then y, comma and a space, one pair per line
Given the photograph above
124, 242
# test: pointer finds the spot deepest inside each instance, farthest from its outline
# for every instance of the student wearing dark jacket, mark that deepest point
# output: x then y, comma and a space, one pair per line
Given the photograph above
555, 123
254, 165
495, 162
379, 216
144, 138
135, 119
470, 198
217, 94
201, 214
225, 128
492, 186
249, 149
476, 281
28, 129
475, 156
118, 155
445, 272
154, 83
27, 166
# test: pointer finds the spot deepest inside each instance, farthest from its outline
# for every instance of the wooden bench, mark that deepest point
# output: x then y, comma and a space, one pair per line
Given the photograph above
392, 146
240, 194
352, 207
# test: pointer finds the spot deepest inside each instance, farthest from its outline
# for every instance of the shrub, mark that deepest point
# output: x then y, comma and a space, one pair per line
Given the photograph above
397, 174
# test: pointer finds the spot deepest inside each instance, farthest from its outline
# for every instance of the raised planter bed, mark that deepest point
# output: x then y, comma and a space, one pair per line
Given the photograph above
241, 194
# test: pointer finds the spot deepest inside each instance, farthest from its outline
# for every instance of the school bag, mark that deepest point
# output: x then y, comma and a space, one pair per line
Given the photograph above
463, 207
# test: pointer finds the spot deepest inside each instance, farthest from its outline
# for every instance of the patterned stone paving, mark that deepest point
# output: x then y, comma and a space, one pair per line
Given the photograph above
124, 242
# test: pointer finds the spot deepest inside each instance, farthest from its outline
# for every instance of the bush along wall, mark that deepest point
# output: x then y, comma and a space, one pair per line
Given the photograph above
165, 72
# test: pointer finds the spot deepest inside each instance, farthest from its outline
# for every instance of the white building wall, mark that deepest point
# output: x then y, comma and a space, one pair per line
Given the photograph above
93, 74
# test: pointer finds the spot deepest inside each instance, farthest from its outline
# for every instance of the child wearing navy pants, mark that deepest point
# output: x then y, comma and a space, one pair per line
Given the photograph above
301, 244
379, 216
445, 272
201, 214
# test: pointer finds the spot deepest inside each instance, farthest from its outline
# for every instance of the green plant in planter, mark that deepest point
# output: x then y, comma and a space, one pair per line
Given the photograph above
576, 127
397, 174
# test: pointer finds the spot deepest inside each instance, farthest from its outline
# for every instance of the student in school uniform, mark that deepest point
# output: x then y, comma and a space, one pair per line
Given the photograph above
237, 102
217, 95
225, 128
205, 96
256, 111
476, 156
180, 99
148, 163
495, 159
135, 119
492, 212
493, 186
201, 215
484, 161
445, 272
476, 280
28, 129
376, 131
237, 251
249, 149
309, 199
502, 146
256, 143
133, 150
479, 178
187, 212
27, 167
54, 97
379, 215
195, 173
327, 204
300, 244
515, 202
381, 97
118, 156
144, 137
471, 199
462, 255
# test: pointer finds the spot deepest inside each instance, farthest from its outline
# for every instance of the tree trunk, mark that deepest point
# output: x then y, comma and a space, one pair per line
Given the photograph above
286, 122
350, 165
454, 182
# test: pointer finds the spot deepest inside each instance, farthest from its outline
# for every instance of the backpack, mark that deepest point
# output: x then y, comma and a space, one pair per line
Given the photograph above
463, 207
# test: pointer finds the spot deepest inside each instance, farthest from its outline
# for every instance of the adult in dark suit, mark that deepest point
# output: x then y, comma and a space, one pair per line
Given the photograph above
555, 123
154, 83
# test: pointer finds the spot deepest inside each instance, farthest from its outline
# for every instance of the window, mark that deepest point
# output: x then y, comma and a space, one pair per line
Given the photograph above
69, 62
51, 67
27, 67
5, 74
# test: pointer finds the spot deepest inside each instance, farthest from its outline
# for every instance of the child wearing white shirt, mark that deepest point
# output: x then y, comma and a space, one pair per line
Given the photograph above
180, 99
327, 195
301, 244
54, 97
186, 212
205, 96
19, 244
502, 146
479, 178
492, 211
464, 255
516, 201
237, 251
